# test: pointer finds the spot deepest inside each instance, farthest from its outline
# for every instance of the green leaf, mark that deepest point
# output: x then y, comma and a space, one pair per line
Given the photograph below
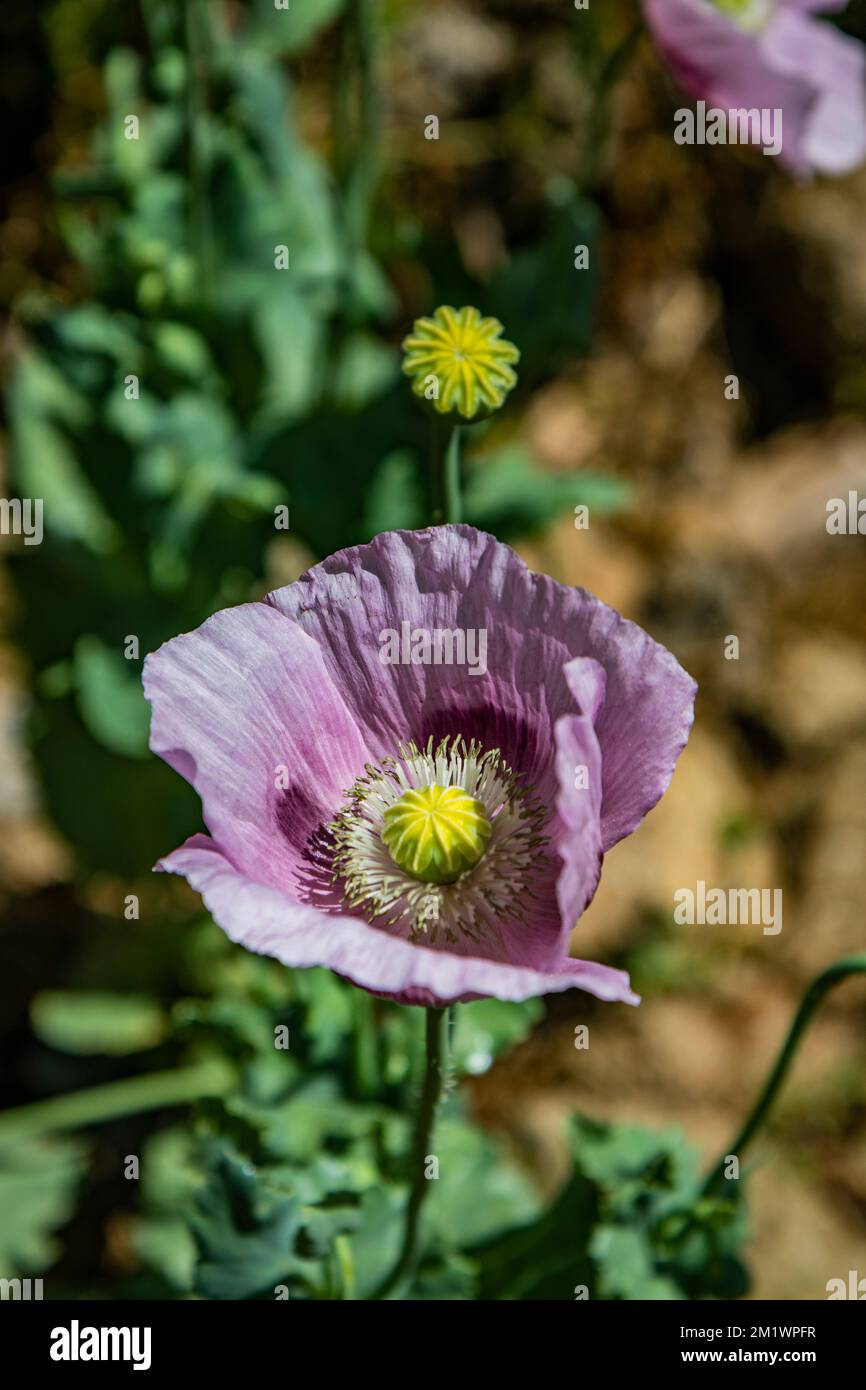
615, 1156
245, 1232
471, 1164
365, 369
508, 494
291, 25
298, 1127
42, 406
272, 191
545, 274
93, 329
483, 1030
547, 1258
328, 1016
293, 376
150, 807
110, 698
171, 1177
171, 1172
370, 294
88, 1022
38, 1181
375, 1244
454, 1280
393, 498
631, 1223
626, 1265
166, 1244
183, 351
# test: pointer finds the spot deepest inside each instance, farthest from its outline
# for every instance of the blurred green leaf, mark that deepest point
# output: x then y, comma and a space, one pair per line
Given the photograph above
394, 500
92, 329
166, 1245
508, 494
152, 810
92, 1021
171, 1176
375, 1244
286, 26
38, 1182
471, 1164
625, 1260
110, 698
42, 407
293, 377
545, 302
366, 367
370, 292
486, 1028
183, 351
328, 1016
298, 1127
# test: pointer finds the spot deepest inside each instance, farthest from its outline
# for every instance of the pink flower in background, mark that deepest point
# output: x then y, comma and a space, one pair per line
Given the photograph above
429, 828
773, 55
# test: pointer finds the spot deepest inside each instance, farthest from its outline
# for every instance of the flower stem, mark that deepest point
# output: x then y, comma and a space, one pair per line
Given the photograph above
357, 129
436, 1023
447, 505
852, 965
364, 1055
209, 1077
597, 122
365, 169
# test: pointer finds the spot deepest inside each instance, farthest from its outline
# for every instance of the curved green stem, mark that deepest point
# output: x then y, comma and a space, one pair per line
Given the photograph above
596, 125
437, 1050
365, 166
357, 127
852, 965
210, 1077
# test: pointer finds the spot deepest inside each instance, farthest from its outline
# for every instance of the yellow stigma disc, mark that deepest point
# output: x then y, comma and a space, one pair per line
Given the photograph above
436, 833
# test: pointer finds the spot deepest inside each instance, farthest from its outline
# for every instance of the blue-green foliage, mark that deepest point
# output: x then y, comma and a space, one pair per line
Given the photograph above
294, 1182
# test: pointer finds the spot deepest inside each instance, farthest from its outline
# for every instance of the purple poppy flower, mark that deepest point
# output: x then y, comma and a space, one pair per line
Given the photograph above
411, 763
772, 54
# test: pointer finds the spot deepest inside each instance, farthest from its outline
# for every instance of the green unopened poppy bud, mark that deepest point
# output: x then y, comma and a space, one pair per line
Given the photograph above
460, 363
436, 833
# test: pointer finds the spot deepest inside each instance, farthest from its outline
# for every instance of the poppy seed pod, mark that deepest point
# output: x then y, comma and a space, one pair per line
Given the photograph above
460, 363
